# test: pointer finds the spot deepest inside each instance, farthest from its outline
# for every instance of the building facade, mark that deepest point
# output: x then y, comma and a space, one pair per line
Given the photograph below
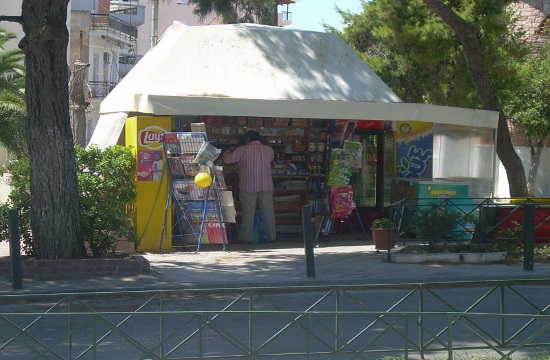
533, 19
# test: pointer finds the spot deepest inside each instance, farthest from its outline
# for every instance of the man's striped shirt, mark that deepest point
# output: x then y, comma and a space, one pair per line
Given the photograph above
254, 160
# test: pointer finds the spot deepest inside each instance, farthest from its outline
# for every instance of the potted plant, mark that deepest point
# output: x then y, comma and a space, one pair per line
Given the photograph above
381, 234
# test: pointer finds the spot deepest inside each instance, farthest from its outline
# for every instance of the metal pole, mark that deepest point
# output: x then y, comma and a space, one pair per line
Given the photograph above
275, 16
15, 248
528, 236
154, 23
308, 240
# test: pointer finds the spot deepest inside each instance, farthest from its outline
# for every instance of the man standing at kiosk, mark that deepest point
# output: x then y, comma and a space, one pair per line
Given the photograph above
255, 183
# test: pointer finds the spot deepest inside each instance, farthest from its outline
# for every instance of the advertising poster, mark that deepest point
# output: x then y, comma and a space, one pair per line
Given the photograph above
150, 165
414, 149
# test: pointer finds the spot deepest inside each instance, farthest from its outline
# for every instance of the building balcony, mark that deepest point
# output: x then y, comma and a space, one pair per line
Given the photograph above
100, 89
113, 28
128, 11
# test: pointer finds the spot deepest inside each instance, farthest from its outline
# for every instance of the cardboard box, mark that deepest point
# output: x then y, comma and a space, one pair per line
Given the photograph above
198, 127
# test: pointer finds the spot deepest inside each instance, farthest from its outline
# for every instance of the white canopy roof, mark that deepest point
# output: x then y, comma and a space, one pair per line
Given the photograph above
257, 70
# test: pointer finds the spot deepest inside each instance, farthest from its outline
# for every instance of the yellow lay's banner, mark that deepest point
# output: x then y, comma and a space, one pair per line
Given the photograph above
144, 134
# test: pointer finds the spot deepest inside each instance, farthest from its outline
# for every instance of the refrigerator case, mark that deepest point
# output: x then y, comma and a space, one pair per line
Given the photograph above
372, 181
426, 192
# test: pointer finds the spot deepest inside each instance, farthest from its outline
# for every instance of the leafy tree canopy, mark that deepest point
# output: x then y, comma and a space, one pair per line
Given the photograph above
422, 60
529, 105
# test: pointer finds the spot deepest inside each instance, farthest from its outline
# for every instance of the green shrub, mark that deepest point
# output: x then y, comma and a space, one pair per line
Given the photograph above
107, 193
440, 224
19, 198
381, 223
106, 180
509, 239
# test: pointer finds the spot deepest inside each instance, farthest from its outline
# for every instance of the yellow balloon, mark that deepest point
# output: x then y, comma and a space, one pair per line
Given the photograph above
203, 180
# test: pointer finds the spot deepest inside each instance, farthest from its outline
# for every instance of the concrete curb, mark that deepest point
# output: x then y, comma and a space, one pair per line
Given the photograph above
467, 258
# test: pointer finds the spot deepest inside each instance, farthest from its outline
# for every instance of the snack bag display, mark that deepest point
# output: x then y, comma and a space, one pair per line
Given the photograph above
342, 203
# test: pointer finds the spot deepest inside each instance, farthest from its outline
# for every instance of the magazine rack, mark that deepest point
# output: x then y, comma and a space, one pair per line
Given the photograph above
196, 211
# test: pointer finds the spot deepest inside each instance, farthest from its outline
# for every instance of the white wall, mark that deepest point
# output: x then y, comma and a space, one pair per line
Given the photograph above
543, 175
167, 13
4, 188
3, 159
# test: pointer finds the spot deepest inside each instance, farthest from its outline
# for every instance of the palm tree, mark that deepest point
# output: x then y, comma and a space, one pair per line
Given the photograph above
241, 11
12, 98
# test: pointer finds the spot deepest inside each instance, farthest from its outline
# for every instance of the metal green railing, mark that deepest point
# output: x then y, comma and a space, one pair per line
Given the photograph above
479, 221
429, 320
476, 219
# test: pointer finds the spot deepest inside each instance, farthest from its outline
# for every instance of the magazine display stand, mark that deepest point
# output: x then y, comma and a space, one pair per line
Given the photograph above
344, 155
196, 211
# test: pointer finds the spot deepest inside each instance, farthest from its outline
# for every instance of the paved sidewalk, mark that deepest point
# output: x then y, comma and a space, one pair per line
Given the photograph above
339, 261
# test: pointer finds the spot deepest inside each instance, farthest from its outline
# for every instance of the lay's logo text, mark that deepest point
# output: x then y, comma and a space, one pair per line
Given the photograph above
151, 137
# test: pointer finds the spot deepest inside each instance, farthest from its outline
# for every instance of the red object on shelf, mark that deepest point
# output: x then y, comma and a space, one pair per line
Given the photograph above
369, 125
216, 233
209, 119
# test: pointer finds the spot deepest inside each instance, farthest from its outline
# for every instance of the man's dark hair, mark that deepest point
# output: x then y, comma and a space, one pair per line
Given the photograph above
252, 135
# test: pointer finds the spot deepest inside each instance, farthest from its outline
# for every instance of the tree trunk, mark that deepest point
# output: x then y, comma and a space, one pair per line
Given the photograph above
467, 34
535, 150
55, 219
78, 102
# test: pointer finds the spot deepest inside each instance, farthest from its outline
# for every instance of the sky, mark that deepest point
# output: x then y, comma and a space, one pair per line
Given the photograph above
310, 14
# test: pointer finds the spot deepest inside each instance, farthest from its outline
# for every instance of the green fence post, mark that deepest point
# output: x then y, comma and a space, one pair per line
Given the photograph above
528, 236
308, 240
15, 248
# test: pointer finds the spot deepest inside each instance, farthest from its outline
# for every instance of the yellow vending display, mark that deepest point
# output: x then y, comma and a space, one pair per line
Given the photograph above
143, 133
